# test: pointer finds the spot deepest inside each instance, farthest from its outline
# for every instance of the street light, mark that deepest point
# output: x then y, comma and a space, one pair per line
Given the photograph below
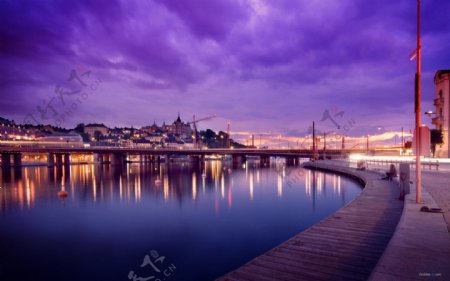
429, 113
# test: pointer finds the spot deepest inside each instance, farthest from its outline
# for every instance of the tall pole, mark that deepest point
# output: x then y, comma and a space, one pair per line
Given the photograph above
228, 136
417, 103
403, 141
367, 145
314, 142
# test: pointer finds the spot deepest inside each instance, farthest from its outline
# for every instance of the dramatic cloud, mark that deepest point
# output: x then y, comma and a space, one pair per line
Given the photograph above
265, 66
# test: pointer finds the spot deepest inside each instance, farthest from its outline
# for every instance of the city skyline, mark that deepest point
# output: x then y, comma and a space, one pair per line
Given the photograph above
383, 138
265, 67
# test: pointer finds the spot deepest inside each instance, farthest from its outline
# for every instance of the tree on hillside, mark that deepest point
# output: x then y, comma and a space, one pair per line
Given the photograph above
98, 135
79, 128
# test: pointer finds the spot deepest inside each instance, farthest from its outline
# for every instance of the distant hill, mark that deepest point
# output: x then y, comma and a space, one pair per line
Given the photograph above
5, 121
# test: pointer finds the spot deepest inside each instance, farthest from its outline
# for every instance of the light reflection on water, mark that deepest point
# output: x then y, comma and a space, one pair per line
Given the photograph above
227, 216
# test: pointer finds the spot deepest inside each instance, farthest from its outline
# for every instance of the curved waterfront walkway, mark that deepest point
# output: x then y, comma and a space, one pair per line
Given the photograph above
345, 246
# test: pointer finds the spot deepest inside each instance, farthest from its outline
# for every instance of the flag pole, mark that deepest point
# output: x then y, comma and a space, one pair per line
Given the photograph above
417, 109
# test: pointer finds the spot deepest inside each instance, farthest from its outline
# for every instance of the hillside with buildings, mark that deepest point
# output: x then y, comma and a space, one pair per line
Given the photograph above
178, 134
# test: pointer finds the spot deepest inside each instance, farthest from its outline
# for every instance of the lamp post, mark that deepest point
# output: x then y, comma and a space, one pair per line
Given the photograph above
367, 145
417, 110
403, 141
429, 113
314, 141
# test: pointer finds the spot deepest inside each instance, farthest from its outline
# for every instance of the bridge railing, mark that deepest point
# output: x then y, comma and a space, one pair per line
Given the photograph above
431, 164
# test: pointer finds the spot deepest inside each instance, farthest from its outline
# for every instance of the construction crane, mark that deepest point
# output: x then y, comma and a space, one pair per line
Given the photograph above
194, 123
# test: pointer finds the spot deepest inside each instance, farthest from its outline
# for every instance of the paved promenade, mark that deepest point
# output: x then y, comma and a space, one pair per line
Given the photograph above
438, 185
345, 246
420, 247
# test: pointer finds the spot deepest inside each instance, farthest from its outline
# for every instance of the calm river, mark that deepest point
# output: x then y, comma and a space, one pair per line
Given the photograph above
169, 222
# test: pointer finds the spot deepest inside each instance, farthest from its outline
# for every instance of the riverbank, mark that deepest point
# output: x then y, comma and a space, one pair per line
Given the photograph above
345, 246
420, 247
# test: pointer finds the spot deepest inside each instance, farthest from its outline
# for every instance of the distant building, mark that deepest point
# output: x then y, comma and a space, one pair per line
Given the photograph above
61, 138
176, 142
442, 104
127, 131
154, 138
166, 128
152, 129
179, 128
90, 129
115, 132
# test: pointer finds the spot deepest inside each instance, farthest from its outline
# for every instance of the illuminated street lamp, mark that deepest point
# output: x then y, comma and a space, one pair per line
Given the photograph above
429, 113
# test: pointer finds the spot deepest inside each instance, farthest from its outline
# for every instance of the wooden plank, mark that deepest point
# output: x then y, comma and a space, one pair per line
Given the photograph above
331, 244
317, 263
244, 276
323, 252
328, 250
307, 270
256, 270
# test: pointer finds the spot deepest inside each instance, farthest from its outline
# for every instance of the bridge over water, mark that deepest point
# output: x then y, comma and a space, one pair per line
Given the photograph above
12, 155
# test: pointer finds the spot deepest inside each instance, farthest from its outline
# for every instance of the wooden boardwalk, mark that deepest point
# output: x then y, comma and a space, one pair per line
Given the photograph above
345, 246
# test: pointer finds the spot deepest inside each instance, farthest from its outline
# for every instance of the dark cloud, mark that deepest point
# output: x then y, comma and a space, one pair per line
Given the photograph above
209, 19
265, 65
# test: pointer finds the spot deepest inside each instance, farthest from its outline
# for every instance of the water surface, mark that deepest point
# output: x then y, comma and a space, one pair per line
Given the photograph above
179, 221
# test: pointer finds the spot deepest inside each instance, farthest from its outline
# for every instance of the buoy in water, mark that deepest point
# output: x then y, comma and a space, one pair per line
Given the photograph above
62, 194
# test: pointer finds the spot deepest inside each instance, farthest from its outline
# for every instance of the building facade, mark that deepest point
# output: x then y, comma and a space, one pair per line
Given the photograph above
152, 129
90, 129
61, 138
442, 104
179, 128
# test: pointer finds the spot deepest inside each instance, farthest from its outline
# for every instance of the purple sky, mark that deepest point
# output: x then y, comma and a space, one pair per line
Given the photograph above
265, 66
